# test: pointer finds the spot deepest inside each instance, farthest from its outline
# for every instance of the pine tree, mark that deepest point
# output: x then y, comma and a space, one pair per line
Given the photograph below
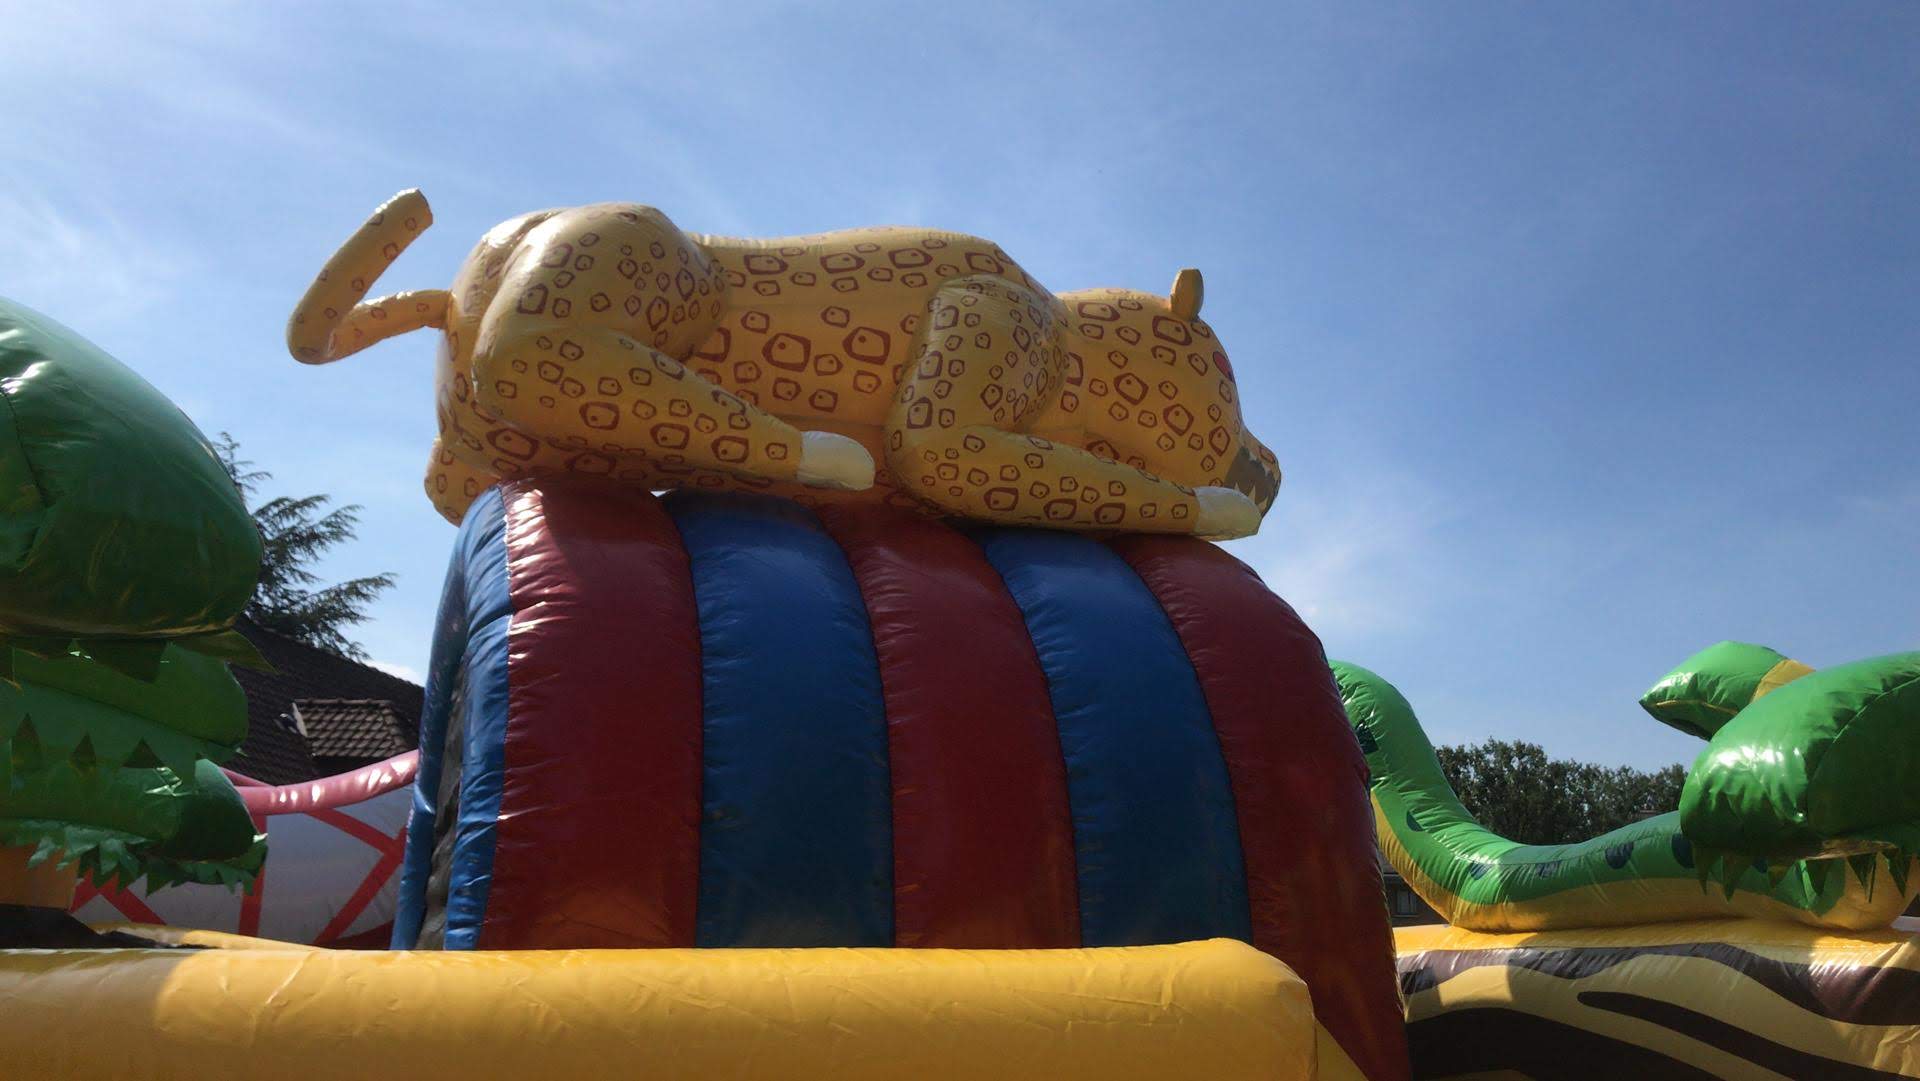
296, 531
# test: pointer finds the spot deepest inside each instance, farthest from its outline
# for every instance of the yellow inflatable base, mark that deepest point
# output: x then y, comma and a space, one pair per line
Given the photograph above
239, 1008
1714, 998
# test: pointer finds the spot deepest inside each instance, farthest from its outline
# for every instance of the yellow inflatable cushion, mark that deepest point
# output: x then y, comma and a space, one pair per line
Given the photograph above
1218, 1009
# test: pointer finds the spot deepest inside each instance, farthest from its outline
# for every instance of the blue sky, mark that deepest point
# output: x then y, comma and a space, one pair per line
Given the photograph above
1587, 334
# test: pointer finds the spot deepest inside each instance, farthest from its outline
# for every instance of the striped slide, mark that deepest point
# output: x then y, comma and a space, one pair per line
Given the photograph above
726, 720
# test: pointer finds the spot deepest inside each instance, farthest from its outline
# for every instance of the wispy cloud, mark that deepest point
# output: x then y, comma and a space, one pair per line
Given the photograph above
81, 260
1355, 559
185, 81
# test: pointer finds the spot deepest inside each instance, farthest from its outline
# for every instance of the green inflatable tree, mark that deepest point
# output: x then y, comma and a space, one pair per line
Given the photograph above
125, 553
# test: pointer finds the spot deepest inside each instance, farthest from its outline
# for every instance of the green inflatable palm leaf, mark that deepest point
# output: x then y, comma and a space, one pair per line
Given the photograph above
126, 552
1823, 766
117, 519
73, 709
119, 825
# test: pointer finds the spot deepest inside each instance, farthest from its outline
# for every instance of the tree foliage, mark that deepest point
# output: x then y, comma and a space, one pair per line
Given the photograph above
296, 531
1518, 792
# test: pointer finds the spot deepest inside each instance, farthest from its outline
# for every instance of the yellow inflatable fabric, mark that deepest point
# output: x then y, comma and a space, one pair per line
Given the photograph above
1218, 1009
1733, 998
183, 936
604, 340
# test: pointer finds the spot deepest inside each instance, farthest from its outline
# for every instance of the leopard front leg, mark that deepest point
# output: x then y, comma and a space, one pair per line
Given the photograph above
579, 347
987, 361
607, 392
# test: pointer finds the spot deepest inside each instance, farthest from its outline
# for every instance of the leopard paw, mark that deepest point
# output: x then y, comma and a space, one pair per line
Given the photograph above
1225, 514
835, 461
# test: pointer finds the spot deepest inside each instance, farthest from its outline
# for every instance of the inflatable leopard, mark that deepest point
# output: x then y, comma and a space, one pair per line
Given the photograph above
603, 340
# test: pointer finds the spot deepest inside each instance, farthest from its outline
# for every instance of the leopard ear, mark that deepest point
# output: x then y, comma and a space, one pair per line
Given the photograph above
1187, 292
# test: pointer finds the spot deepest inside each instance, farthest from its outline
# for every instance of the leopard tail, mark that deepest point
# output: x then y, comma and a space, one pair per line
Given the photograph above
332, 320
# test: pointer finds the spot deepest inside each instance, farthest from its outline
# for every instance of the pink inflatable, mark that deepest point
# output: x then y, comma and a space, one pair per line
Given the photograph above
334, 846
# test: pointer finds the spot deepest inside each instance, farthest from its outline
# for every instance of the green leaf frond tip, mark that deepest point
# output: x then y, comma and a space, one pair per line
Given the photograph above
111, 858
1898, 864
1706, 865
1818, 874
105, 857
1703, 859
1732, 866
1726, 868
1864, 866
100, 737
242, 871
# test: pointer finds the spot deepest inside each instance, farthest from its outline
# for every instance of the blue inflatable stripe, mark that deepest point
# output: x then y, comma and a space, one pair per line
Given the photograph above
1156, 839
475, 595
483, 710
796, 845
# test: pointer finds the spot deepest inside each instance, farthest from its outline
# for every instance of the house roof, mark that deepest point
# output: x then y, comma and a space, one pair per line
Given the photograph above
274, 751
365, 728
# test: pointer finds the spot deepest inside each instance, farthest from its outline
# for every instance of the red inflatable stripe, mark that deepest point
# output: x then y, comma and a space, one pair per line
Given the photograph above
982, 839
1299, 785
598, 841
390, 849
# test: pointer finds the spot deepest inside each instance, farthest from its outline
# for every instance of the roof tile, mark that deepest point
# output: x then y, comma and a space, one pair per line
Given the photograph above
273, 751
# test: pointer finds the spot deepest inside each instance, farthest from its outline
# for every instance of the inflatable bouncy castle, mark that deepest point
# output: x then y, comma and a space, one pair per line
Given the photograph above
920, 695
833, 678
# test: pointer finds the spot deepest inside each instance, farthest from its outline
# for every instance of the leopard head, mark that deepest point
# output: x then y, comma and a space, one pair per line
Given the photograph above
1159, 393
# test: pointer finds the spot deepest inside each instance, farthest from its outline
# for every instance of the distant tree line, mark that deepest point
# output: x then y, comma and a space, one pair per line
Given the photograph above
1518, 792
